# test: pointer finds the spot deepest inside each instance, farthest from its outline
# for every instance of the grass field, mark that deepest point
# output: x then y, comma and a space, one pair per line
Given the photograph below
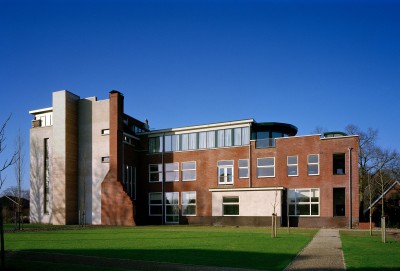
209, 246
363, 252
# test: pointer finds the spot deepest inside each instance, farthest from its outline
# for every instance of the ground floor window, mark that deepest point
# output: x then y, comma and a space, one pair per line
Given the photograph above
189, 203
155, 204
304, 202
230, 205
172, 207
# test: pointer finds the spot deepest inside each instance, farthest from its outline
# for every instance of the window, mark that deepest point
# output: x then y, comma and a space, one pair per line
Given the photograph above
167, 143
220, 138
105, 159
225, 172
155, 204
237, 134
171, 172
105, 131
129, 181
303, 202
172, 207
188, 203
292, 166
245, 135
185, 142
175, 143
188, 171
211, 139
230, 205
243, 168
313, 164
155, 173
46, 186
155, 144
202, 140
192, 141
339, 163
265, 167
228, 138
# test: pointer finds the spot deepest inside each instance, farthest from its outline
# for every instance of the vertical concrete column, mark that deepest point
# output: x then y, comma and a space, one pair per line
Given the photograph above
65, 158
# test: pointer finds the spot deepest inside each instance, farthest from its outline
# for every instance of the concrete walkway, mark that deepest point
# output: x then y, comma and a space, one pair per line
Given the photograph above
324, 252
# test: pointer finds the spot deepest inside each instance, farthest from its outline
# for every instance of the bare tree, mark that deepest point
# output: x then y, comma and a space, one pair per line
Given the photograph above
3, 166
19, 167
366, 154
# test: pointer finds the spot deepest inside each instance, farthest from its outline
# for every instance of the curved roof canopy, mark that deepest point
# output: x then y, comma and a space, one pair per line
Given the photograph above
285, 128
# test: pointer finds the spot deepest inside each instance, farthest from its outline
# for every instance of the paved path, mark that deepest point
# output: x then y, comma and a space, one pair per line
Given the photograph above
324, 252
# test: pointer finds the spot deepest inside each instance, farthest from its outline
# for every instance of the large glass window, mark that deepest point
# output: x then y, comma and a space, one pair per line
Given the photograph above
175, 142
172, 207
188, 203
228, 138
313, 164
192, 141
243, 168
155, 204
210, 139
230, 205
155, 173
129, 181
185, 142
225, 172
237, 135
303, 202
168, 143
171, 172
266, 167
155, 144
188, 171
220, 139
292, 166
203, 140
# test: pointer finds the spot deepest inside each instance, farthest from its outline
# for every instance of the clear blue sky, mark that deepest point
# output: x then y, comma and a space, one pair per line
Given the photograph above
178, 63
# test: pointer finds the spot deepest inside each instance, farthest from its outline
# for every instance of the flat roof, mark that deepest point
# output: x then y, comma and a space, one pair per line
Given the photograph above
43, 110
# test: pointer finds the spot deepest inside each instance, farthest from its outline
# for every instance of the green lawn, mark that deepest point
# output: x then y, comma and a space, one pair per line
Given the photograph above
363, 252
210, 246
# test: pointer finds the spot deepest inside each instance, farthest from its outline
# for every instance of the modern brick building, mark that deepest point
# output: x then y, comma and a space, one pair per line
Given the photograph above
91, 162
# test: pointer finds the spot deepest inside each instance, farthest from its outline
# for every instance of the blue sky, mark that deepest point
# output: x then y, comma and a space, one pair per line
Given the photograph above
309, 63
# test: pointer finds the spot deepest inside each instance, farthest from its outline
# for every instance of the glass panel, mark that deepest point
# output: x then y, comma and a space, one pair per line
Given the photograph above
168, 143
189, 210
155, 198
312, 169
202, 140
243, 172
155, 168
189, 175
237, 136
230, 199
245, 136
313, 158
303, 209
188, 165
185, 142
220, 139
229, 173
156, 210
228, 137
231, 209
171, 176
211, 139
243, 163
171, 166
292, 170
192, 141
225, 163
314, 209
175, 143
265, 162
292, 160
265, 172
292, 209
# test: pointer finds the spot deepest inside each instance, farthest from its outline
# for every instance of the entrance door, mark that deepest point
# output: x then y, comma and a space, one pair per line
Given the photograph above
339, 201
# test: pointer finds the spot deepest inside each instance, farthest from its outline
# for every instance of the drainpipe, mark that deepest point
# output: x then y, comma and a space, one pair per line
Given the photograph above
162, 181
250, 162
350, 189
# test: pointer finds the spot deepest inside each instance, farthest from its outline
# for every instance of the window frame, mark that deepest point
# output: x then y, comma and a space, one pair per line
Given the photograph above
242, 168
186, 170
155, 205
309, 164
156, 172
175, 170
175, 194
225, 171
292, 165
183, 204
227, 203
310, 202
265, 166
335, 161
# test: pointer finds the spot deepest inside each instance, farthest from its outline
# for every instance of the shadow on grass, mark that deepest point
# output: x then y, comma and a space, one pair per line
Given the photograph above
157, 259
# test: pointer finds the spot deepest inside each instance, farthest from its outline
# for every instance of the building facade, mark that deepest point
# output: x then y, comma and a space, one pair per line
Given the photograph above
91, 163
